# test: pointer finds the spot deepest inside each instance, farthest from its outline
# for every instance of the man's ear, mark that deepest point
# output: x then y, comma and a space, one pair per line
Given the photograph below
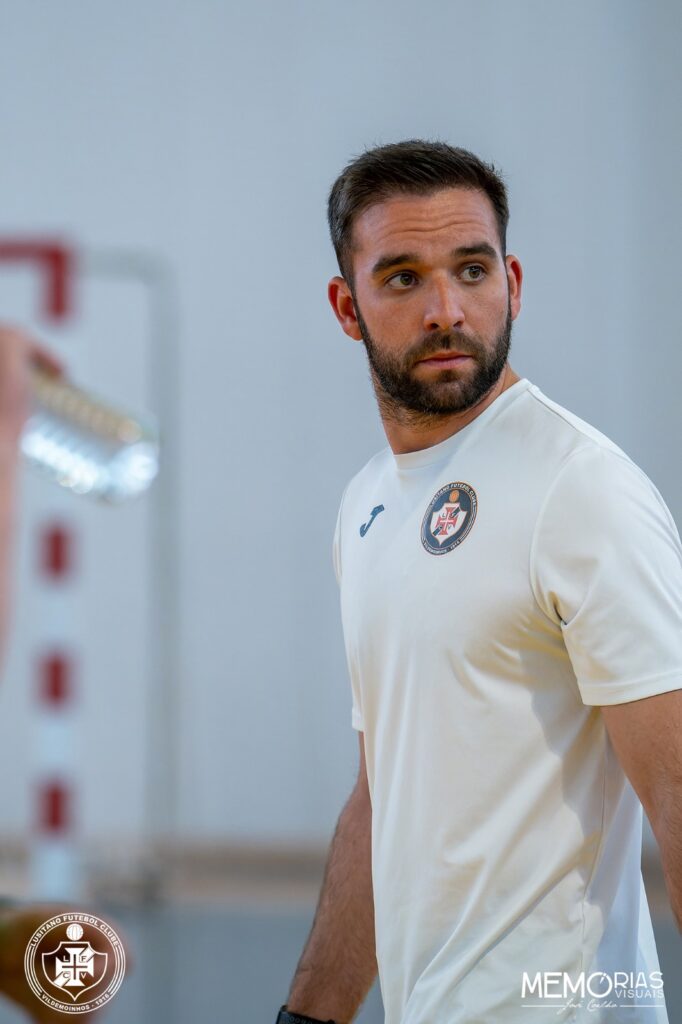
515, 281
344, 308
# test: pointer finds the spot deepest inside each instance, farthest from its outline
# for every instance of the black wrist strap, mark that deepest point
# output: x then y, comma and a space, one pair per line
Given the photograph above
286, 1017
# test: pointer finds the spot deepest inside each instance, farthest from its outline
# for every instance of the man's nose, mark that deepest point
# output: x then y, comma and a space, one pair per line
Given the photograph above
444, 306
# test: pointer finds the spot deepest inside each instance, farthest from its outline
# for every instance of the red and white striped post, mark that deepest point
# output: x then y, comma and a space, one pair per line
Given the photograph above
54, 855
54, 863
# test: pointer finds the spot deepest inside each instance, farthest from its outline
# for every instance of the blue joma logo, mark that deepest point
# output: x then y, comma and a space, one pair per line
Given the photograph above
375, 512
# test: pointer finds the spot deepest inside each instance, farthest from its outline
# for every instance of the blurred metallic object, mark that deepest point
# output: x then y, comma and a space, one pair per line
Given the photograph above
86, 445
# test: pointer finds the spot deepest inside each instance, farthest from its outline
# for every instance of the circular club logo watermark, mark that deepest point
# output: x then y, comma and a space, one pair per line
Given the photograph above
74, 963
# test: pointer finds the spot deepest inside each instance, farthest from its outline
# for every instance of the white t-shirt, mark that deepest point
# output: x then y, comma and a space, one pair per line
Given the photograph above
495, 589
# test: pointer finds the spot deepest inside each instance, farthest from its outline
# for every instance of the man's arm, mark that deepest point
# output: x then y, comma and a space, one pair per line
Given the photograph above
647, 737
338, 964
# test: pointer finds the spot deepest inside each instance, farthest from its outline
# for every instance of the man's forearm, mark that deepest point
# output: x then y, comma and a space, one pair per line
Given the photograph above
667, 826
338, 964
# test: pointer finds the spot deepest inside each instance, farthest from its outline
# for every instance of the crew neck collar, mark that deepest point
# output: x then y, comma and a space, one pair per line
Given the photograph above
451, 444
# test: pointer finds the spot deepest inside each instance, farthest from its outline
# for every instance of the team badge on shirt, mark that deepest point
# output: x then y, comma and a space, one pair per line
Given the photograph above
449, 518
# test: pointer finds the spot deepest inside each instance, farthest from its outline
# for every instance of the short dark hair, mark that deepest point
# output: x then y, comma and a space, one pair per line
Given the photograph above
417, 167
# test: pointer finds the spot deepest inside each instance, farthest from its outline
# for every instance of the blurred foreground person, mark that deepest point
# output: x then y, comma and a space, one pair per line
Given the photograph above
17, 354
511, 596
18, 922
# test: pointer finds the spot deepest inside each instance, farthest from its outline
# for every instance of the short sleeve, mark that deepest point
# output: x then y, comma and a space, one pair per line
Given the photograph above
336, 547
356, 718
336, 543
606, 565
356, 714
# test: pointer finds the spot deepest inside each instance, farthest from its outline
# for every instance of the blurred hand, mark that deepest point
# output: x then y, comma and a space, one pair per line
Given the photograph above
18, 353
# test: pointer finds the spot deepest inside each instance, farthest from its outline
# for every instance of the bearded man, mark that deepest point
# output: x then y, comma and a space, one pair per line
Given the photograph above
511, 597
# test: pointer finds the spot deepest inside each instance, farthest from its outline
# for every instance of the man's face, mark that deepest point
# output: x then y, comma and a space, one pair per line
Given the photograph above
432, 299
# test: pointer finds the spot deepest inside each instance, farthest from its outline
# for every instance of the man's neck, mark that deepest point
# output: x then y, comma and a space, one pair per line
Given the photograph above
406, 433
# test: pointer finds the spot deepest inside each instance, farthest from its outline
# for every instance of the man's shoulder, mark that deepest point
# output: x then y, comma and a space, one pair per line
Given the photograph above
565, 430
368, 475
583, 462
541, 442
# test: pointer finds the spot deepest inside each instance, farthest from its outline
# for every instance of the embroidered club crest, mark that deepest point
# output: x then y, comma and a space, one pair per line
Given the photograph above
449, 518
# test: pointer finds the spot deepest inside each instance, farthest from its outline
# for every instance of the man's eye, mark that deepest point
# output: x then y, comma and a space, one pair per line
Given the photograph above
400, 277
478, 271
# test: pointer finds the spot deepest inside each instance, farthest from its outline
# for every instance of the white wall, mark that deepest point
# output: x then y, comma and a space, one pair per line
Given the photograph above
210, 133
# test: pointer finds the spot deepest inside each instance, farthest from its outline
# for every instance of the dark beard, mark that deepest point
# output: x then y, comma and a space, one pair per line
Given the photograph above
399, 391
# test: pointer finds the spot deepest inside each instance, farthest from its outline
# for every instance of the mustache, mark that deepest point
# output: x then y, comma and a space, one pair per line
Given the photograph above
444, 343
